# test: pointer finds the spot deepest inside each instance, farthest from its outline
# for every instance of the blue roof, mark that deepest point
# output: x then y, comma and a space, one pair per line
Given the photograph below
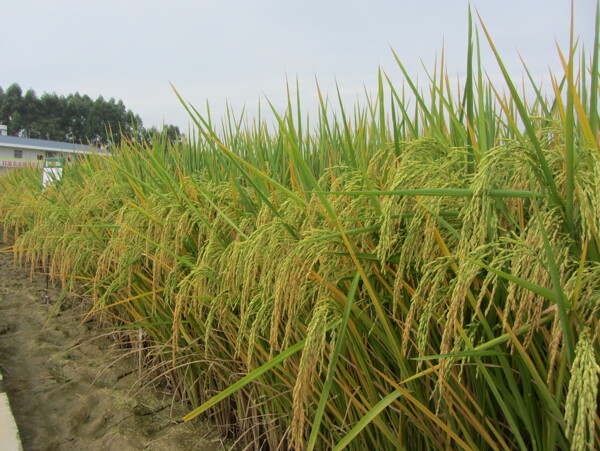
57, 146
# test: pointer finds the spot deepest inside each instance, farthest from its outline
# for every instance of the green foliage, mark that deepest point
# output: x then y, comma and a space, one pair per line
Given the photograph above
72, 118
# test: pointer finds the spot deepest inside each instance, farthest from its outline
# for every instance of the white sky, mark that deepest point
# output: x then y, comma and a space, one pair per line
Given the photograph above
242, 51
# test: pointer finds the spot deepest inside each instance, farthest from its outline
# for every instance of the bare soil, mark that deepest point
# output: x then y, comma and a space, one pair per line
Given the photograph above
71, 387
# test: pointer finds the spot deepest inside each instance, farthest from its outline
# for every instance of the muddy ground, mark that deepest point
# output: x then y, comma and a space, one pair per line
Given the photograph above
70, 386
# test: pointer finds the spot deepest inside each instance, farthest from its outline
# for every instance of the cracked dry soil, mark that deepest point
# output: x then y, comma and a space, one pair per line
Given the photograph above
70, 388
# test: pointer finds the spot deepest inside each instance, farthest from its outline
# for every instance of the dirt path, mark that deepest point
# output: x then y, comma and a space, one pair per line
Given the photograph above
71, 389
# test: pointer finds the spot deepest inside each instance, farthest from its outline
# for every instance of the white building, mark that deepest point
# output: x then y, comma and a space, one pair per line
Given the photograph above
18, 152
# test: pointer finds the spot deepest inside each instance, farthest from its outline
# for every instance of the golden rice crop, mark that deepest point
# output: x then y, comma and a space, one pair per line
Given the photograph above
407, 277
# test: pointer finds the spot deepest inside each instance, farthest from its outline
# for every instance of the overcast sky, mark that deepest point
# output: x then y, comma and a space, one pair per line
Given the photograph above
241, 51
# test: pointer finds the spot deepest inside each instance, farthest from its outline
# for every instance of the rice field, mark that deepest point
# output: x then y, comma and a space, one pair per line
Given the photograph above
421, 271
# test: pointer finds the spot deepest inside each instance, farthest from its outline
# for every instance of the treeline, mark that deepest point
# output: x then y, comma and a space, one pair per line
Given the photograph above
72, 118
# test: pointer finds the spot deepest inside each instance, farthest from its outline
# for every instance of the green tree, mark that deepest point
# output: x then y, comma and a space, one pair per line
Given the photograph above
73, 118
10, 103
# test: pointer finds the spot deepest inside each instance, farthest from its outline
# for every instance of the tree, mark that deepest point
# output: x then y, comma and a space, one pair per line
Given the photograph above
73, 118
10, 103
169, 132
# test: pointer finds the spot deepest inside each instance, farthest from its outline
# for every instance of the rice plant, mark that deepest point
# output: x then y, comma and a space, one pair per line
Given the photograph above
419, 272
